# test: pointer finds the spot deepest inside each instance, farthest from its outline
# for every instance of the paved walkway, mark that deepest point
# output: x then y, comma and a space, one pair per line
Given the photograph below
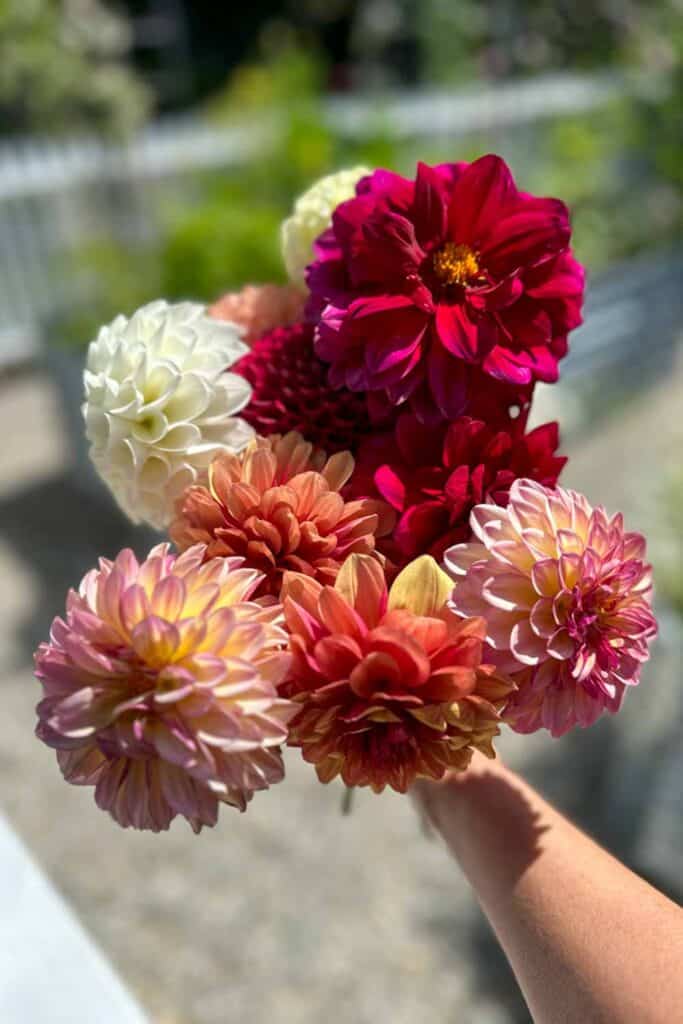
290, 913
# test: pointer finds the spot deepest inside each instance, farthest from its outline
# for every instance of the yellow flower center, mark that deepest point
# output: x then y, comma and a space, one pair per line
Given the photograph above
456, 264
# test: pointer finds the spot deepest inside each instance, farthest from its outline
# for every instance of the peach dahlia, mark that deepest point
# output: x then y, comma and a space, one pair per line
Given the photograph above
390, 683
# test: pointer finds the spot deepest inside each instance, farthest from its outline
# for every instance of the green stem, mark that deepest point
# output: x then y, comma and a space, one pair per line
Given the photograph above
347, 800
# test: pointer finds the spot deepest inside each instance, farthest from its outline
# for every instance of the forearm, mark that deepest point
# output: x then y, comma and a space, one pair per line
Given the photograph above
588, 940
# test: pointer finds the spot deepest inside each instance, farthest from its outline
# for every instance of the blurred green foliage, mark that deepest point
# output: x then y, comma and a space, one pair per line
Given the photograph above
468, 39
618, 167
62, 69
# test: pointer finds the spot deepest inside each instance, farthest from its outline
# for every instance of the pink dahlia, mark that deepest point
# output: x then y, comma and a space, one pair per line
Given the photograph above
160, 688
290, 391
419, 282
390, 683
258, 308
566, 593
433, 475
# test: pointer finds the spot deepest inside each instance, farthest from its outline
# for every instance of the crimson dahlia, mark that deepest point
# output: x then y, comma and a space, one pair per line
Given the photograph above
433, 475
290, 391
417, 283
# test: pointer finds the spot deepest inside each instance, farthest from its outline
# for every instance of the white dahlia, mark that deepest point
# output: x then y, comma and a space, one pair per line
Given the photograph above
159, 403
312, 215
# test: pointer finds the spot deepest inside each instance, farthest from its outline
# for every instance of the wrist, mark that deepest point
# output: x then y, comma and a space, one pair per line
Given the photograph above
464, 804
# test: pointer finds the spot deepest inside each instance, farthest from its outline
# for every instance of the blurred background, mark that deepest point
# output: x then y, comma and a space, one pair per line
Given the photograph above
152, 148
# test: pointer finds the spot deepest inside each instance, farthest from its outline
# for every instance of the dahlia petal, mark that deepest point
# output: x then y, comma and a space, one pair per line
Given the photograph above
509, 591
503, 365
545, 577
390, 486
533, 231
526, 646
81, 713
447, 379
338, 469
337, 615
82, 766
88, 658
155, 640
168, 598
569, 566
542, 619
412, 662
460, 335
422, 587
461, 557
361, 583
429, 206
481, 192
390, 250
560, 645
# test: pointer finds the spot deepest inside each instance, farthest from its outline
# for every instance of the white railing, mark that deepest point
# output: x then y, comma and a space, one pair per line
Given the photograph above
55, 195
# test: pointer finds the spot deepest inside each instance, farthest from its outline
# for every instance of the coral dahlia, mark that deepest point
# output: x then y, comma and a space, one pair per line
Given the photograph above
259, 308
418, 282
390, 684
160, 688
433, 475
290, 391
278, 506
566, 594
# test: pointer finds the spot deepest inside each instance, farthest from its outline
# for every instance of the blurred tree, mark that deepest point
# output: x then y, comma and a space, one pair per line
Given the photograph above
512, 37
63, 69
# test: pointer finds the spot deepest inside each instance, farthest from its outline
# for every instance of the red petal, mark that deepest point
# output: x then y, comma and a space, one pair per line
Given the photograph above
429, 205
480, 195
448, 381
458, 333
538, 228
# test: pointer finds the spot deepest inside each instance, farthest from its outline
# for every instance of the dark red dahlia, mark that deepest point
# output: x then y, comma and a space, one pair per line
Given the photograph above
433, 475
419, 283
291, 392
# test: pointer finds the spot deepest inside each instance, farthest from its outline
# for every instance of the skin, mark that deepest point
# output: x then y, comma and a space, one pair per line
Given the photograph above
588, 940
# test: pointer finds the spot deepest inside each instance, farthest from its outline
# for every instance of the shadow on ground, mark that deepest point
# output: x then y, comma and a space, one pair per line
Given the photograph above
59, 531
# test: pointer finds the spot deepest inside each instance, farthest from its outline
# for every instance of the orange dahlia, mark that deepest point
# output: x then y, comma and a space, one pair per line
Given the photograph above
278, 506
390, 682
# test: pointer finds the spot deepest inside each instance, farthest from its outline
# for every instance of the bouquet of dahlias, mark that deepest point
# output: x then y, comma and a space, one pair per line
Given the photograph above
373, 560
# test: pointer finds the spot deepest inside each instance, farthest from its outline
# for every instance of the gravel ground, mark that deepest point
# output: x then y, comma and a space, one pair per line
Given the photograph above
292, 913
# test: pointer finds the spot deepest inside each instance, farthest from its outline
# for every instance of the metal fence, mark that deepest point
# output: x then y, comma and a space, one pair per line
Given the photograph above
56, 195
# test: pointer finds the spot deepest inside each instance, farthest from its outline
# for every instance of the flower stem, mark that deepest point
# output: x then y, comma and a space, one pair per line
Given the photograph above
347, 800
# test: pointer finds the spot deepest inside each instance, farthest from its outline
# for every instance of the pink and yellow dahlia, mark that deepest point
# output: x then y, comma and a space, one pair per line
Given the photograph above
390, 684
160, 687
566, 595
278, 506
420, 285
259, 308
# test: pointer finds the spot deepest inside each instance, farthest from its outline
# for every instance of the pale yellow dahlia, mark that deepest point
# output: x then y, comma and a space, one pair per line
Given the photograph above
312, 215
159, 403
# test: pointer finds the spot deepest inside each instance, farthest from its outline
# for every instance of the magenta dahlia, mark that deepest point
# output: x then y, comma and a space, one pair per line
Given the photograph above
417, 283
434, 474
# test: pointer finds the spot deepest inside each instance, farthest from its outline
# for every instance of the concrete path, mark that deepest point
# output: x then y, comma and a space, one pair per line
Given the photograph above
290, 913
